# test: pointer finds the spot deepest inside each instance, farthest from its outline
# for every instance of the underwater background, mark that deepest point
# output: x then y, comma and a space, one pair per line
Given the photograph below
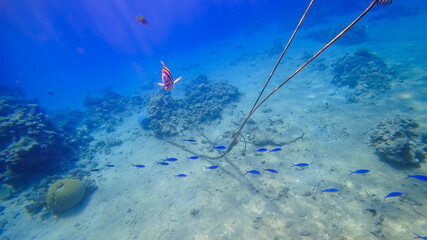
91, 147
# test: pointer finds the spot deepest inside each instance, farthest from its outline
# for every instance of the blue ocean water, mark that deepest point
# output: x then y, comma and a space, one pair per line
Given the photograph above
66, 48
76, 48
153, 163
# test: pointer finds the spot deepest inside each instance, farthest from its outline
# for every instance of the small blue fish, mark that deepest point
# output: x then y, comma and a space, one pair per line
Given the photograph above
170, 159
181, 175
190, 140
138, 165
74, 159
220, 147
393, 194
193, 157
300, 165
276, 150
331, 190
163, 163
95, 170
420, 177
360, 171
212, 167
262, 150
110, 165
271, 170
253, 172
419, 237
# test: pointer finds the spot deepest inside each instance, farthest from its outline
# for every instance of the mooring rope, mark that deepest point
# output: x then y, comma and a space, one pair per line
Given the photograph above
237, 133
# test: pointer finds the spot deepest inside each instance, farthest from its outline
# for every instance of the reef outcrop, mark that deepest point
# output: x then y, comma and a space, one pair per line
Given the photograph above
105, 112
204, 102
33, 143
399, 142
30, 145
364, 73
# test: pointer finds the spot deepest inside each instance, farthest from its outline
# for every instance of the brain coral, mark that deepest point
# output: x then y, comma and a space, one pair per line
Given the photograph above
64, 194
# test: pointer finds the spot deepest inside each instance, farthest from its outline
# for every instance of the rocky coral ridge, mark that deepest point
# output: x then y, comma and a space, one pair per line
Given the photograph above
29, 143
204, 102
364, 73
399, 142
106, 111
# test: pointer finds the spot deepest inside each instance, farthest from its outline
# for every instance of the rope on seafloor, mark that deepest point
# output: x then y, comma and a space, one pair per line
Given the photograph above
236, 135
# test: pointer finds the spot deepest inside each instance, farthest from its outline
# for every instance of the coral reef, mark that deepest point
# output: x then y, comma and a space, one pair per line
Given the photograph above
106, 111
69, 124
399, 142
29, 143
204, 102
364, 73
65, 194
34, 144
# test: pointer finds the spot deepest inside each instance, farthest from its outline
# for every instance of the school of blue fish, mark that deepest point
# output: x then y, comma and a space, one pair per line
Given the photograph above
302, 165
165, 162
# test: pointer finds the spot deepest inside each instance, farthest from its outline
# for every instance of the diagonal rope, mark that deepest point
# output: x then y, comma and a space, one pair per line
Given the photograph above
283, 53
236, 134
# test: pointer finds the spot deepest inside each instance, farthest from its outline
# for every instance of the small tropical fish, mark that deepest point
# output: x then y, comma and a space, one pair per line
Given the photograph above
190, 140
193, 157
49, 92
142, 20
262, 150
300, 165
420, 177
331, 190
419, 237
212, 167
181, 175
253, 172
271, 170
276, 150
167, 80
393, 194
74, 159
110, 165
163, 163
220, 147
95, 170
138, 165
171, 159
360, 171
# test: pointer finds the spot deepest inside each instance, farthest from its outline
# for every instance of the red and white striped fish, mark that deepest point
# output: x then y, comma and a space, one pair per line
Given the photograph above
167, 79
